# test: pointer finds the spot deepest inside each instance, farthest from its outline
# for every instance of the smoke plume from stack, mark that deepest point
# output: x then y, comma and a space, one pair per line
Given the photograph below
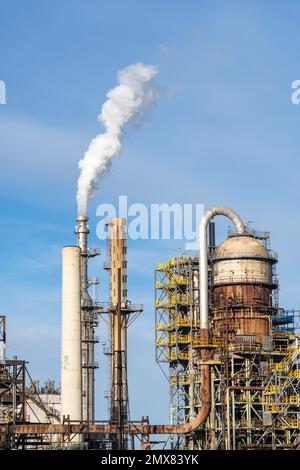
134, 94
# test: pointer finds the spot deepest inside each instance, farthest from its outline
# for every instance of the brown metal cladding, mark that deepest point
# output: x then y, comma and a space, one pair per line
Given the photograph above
242, 295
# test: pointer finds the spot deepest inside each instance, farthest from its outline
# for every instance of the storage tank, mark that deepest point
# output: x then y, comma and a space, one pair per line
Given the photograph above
242, 283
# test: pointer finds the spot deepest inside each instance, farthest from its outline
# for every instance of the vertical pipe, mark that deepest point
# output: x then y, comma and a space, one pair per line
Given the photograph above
3, 338
233, 401
228, 446
233, 421
23, 372
71, 334
248, 402
14, 393
195, 294
213, 442
119, 363
212, 235
203, 267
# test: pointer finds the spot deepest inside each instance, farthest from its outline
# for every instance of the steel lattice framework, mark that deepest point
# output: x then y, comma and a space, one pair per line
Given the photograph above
255, 388
177, 337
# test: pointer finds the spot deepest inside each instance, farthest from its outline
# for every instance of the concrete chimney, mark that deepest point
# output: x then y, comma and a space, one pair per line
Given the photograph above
71, 334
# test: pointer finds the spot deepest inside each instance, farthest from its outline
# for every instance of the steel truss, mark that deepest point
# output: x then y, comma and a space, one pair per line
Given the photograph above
177, 338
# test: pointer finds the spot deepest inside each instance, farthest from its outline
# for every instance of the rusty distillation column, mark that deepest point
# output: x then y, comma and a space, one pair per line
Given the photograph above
243, 283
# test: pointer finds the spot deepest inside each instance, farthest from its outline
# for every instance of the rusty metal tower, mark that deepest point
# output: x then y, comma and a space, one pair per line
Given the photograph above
121, 314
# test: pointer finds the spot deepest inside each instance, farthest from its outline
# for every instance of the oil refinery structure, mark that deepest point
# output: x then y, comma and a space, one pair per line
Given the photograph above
230, 352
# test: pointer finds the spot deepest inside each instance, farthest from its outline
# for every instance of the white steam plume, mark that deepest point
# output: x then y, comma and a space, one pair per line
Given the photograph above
131, 97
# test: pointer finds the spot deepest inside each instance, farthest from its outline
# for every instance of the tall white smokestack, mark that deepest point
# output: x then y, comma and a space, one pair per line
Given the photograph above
71, 334
130, 98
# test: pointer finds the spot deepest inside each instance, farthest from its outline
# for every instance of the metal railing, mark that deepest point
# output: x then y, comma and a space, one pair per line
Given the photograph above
90, 365
90, 339
247, 279
93, 251
259, 234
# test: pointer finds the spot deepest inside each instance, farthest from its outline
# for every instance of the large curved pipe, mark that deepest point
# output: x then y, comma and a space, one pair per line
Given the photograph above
193, 425
203, 281
203, 267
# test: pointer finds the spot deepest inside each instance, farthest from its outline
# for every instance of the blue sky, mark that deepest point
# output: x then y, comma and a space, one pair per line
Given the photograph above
224, 131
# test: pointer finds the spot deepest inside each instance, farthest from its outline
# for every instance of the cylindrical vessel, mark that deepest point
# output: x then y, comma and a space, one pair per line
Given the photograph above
242, 287
71, 396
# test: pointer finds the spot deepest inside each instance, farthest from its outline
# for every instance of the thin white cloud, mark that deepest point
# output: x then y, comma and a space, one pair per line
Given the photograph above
165, 48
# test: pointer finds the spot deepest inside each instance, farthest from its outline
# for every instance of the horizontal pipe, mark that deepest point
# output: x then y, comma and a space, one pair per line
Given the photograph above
130, 427
247, 387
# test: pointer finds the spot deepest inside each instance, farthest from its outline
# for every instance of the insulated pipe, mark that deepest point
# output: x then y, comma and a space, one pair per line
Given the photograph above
203, 267
71, 334
193, 425
113, 428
